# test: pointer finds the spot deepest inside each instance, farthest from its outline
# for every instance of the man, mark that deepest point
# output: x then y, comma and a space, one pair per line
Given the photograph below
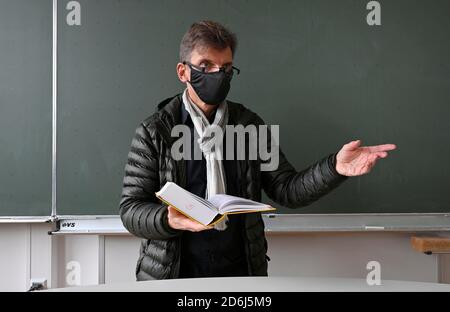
175, 246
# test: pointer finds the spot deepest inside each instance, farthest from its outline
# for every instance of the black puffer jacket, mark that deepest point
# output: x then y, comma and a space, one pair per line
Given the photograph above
150, 166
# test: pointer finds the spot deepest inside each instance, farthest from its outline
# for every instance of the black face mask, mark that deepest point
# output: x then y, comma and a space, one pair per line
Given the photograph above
211, 88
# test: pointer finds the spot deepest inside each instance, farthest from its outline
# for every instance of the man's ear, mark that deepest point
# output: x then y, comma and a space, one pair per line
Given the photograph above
182, 73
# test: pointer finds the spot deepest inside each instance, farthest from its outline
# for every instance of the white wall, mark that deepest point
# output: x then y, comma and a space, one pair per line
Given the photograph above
347, 255
14, 259
27, 251
121, 254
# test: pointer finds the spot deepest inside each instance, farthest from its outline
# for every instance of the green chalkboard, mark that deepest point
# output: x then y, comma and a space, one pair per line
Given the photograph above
314, 67
25, 107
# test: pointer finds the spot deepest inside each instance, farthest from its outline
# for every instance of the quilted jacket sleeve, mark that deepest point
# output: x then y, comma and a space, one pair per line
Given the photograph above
141, 212
288, 187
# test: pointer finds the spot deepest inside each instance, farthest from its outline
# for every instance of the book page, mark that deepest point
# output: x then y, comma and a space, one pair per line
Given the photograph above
187, 203
227, 203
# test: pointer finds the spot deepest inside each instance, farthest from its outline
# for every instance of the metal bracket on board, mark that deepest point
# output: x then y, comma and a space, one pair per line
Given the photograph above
388, 222
89, 225
283, 223
23, 219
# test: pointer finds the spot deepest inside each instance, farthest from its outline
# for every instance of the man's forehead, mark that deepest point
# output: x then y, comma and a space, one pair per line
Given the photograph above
213, 55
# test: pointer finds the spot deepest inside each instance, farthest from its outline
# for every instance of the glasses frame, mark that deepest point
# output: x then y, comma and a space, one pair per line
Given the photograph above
234, 69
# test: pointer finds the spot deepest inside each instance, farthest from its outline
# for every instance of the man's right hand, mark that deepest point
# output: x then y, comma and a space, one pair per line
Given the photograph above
179, 221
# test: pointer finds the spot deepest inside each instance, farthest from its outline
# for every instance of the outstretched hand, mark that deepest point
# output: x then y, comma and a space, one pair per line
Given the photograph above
355, 160
179, 221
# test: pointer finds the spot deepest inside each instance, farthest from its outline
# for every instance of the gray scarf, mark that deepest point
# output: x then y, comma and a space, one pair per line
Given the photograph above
211, 146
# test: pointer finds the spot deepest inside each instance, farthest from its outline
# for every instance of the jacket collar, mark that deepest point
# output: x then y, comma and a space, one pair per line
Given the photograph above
170, 110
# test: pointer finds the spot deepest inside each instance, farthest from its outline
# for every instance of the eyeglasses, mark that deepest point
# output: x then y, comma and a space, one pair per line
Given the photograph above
210, 68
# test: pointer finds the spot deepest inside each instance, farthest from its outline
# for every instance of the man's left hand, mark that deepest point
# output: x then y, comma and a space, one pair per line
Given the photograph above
355, 160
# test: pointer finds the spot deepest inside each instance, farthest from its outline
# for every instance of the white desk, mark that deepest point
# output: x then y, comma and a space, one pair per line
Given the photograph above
261, 284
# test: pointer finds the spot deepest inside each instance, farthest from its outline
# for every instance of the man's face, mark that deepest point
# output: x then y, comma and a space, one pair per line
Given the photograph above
206, 57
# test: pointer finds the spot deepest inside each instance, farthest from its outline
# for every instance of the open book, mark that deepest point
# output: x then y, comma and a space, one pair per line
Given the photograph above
207, 212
